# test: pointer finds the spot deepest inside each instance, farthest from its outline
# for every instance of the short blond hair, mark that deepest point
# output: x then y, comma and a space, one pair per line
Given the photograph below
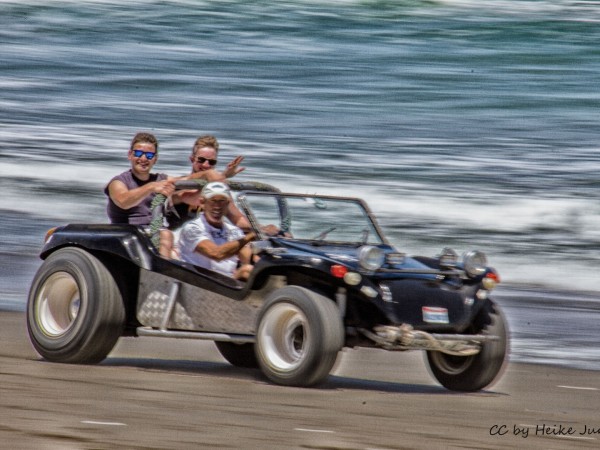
205, 141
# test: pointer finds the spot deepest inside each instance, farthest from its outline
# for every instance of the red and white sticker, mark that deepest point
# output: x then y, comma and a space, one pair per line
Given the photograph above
434, 314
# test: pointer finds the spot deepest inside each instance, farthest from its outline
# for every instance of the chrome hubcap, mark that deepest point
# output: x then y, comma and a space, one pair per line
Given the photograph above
284, 338
58, 304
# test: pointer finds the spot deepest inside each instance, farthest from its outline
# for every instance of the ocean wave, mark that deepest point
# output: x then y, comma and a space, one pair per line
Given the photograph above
186, 11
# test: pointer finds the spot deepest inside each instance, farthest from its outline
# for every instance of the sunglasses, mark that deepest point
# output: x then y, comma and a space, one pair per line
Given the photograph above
139, 153
201, 160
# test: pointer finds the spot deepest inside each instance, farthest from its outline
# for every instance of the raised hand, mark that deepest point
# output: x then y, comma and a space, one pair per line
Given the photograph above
233, 168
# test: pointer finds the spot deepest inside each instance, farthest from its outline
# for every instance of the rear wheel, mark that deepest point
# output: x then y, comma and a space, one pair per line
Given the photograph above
472, 373
75, 313
239, 355
299, 336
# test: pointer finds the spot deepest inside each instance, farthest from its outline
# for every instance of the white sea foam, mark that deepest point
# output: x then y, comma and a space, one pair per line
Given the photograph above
493, 212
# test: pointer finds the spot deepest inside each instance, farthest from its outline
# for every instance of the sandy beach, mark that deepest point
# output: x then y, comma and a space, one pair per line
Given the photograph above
162, 393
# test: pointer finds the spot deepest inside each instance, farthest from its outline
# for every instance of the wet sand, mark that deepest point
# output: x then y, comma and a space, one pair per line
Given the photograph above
173, 394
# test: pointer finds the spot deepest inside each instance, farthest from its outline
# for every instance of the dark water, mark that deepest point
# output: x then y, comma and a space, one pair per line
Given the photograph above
462, 123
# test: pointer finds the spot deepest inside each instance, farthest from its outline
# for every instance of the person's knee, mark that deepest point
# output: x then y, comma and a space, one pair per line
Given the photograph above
243, 272
166, 243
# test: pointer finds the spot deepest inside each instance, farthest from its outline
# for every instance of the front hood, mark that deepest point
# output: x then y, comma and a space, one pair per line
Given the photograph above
347, 254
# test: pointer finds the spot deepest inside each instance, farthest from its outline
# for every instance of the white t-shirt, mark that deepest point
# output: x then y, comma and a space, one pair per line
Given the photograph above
198, 230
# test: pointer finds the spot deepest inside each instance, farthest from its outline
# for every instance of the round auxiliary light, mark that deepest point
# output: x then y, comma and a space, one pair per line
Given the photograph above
475, 263
448, 258
352, 278
370, 258
491, 280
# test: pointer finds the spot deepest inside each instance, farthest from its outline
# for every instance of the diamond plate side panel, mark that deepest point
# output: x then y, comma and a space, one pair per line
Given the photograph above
198, 309
217, 313
153, 301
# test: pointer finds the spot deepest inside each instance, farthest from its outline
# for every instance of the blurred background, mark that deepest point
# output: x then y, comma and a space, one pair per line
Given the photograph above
466, 124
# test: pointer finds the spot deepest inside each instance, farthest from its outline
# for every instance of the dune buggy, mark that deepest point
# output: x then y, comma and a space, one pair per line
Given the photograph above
328, 280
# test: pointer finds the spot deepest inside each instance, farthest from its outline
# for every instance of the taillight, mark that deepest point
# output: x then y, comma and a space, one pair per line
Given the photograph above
338, 271
49, 234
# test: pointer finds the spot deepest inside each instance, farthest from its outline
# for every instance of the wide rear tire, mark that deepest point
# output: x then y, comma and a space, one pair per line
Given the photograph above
472, 373
299, 336
75, 312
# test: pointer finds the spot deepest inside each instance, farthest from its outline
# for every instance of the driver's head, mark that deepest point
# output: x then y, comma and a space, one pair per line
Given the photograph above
215, 198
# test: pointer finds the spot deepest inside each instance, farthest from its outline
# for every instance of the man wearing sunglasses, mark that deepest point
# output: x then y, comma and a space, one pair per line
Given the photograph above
130, 193
204, 161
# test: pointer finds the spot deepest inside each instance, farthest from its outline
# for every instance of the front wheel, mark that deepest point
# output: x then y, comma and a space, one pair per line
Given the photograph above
299, 336
472, 373
75, 313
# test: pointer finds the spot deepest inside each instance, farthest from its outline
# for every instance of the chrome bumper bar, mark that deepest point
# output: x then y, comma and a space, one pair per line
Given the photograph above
404, 337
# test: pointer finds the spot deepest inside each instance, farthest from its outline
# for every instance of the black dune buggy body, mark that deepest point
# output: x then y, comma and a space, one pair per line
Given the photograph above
328, 280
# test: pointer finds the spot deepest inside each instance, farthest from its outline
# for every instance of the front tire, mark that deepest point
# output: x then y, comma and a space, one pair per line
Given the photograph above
299, 336
75, 312
472, 373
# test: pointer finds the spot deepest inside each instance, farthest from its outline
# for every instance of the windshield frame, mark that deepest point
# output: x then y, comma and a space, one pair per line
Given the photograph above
245, 206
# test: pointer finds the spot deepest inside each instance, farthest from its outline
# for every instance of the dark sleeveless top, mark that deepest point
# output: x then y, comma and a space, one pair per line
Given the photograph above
140, 214
178, 214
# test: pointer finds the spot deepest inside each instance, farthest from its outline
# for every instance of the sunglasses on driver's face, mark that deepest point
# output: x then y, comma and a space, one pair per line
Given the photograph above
139, 153
201, 160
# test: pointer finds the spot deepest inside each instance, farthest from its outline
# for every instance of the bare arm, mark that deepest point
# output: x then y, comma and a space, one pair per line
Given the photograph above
208, 175
128, 198
220, 252
237, 218
245, 255
188, 196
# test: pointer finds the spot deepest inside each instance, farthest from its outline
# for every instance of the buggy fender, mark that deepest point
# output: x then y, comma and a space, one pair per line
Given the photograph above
125, 241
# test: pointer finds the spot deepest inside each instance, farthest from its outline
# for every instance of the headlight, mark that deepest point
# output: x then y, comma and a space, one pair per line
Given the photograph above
371, 258
448, 258
475, 263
